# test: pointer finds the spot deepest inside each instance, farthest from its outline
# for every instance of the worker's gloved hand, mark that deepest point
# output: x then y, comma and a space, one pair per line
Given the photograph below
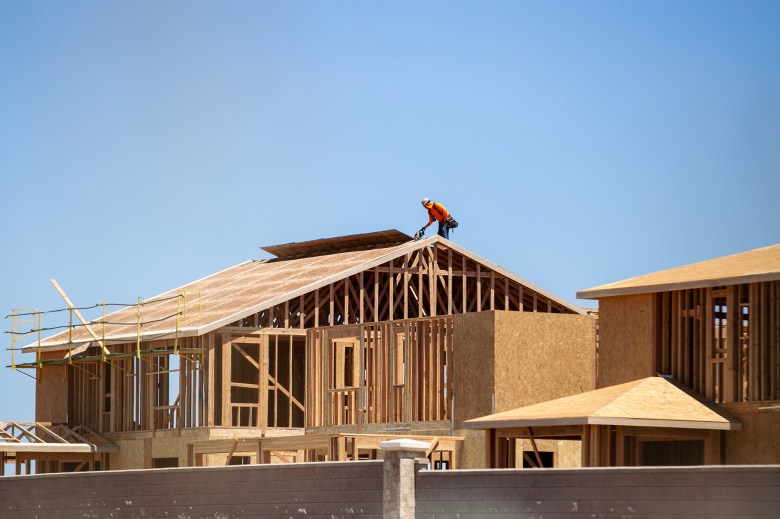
421, 232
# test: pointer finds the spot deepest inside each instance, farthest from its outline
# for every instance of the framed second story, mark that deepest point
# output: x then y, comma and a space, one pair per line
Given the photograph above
714, 326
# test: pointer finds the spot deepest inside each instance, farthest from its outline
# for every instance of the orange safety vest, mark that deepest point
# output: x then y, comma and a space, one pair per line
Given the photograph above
436, 211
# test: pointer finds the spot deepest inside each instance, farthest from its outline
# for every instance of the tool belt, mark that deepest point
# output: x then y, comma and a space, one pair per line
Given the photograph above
451, 223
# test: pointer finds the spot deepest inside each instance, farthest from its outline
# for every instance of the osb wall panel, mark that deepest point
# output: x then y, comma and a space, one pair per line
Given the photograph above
625, 339
320, 490
473, 374
473, 364
51, 392
472, 451
568, 453
541, 356
135, 449
734, 492
759, 440
130, 455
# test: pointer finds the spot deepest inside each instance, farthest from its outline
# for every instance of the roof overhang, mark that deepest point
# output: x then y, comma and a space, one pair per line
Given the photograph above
753, 266
648, 402
609, 291
626, 422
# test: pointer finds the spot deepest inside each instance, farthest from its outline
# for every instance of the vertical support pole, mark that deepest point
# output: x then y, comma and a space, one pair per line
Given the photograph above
138, 330
345, 317
227, 411
420, 261
178, 322
449, 282
360, 370
463, 303
362, 299
432, 280
406, 285
403, 459
492, 290
317, 308
332, 316
585, 443
391, 293
103, 354
376, 294
301, 313
13, 361
211, 376
70, 338
38, 351
479, 288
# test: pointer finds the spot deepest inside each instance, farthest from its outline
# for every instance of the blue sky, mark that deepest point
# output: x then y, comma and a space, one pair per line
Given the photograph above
147, 144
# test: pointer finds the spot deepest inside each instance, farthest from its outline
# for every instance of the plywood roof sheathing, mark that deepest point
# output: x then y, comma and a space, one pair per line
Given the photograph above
746, 267
254, 286
648, 402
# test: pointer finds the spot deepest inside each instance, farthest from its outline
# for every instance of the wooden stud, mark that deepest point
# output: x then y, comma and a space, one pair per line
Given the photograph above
406, 285
479, 288
362, 298
492, 290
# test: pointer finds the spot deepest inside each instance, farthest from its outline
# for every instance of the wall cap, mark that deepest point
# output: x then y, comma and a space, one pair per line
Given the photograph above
404, 444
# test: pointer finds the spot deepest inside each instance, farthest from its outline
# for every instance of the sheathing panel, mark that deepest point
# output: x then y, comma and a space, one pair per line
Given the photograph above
51, 392
759, 440
541, 357
626, 333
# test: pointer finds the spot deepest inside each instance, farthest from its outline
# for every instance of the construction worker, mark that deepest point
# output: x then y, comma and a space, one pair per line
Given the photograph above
437, 212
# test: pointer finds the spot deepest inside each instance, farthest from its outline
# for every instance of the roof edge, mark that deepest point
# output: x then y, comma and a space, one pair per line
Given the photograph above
630, 422
605, 291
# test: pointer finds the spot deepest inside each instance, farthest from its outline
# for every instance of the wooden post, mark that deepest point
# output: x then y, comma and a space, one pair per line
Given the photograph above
492, 290
406, 285
262, 419
391, 288
362, 299
479, 288
432, 282
332, 317
317, 308
449, 282
227, 413
376, 294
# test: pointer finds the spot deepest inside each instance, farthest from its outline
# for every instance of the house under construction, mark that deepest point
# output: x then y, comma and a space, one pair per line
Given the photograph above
711, 330
317, 354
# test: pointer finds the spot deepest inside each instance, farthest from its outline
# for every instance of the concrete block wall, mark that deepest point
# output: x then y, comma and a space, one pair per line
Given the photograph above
713, 492
338, 490
327, 490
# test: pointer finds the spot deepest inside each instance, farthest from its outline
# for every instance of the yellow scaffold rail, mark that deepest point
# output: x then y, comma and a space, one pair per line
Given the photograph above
181, 314
17, 321
188, 308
